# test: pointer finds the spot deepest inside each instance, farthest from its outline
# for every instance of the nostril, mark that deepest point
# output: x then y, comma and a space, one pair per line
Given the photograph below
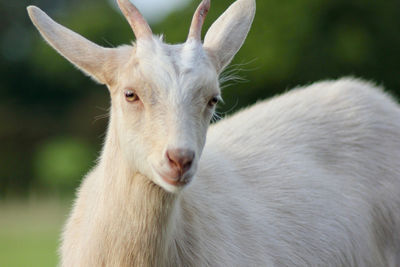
187, 166
180, 159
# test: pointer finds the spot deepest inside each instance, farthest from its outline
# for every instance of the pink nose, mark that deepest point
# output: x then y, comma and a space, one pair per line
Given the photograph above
180, 159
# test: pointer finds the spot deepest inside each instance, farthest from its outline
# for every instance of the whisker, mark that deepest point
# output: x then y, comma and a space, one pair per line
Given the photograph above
231, 75
108, 43
102, 116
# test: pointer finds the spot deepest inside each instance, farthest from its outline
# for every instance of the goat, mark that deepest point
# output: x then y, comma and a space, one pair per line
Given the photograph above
309, 178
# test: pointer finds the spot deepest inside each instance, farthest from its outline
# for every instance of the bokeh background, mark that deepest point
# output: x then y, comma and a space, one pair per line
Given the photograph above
53, 118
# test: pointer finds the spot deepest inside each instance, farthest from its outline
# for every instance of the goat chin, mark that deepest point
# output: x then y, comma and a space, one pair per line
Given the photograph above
309, 178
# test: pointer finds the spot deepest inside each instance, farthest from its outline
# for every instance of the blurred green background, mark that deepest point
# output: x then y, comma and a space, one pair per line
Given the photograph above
53, 118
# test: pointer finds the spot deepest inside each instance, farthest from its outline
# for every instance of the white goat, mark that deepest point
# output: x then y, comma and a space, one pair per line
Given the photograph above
310, 178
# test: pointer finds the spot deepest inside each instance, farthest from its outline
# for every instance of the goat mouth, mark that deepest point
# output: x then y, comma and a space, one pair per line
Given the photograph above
174, 179
178, 181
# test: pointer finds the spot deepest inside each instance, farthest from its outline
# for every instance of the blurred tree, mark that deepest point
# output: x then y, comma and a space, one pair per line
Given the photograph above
293, 42
60, 163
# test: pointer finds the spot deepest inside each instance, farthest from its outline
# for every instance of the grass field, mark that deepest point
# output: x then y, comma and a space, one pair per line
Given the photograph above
29, 232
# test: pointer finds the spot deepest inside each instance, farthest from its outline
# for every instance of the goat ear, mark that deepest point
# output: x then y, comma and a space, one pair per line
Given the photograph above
92, 59
225, 37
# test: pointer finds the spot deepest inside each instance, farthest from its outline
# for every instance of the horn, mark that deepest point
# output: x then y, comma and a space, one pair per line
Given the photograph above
198, 20
140, 27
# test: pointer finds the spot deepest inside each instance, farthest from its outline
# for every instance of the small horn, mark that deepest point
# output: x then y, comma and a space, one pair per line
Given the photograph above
140, 27
198, 20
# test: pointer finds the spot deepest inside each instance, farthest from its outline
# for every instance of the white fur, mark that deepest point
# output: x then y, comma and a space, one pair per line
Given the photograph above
309, 178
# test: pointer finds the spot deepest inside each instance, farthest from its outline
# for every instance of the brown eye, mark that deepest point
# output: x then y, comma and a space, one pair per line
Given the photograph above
131, 96
213, 101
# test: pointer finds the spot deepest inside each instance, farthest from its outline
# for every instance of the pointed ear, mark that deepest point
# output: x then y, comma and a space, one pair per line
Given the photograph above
225, 37
96, 61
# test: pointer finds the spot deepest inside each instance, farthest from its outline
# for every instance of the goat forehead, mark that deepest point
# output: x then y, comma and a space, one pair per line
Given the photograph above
175, 66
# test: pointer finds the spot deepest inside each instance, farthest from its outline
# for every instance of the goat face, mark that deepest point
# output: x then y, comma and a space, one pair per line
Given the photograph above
162, 102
